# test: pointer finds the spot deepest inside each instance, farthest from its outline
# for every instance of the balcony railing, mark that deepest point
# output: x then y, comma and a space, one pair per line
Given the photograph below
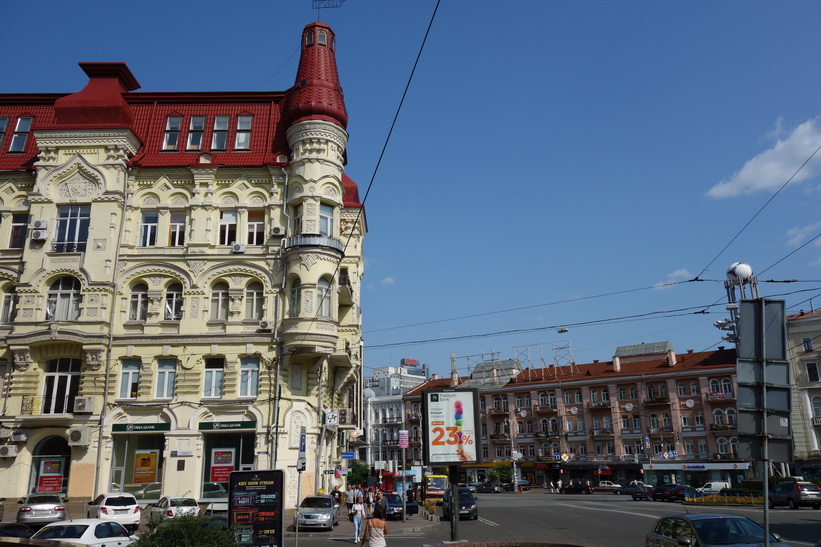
723, 427
314, 240
720, 396
657, 400
497, 411
542, 409
601, 431
600, 404
816, 420
68, 246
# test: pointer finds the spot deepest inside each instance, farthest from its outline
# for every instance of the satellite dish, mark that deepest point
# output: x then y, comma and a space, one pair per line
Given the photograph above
574, 410
516, 455
628, 407
739, 273
689, 403
523, 414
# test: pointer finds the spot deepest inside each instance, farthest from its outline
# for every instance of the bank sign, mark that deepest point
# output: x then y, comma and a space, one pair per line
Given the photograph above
450, 427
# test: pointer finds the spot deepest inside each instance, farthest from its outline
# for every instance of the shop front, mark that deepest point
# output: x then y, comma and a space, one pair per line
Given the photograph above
227, 446
695, 474
137, 463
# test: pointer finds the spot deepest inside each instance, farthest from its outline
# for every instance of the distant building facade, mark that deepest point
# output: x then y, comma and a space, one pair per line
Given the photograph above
649, 414
804, 339
180, 278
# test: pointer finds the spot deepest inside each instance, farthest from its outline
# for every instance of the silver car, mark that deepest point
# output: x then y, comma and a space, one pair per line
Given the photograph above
316, 512
708, 529
174, 506
38, 509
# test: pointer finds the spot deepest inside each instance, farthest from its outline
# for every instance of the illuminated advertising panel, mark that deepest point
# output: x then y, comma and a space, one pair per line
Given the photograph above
450, 427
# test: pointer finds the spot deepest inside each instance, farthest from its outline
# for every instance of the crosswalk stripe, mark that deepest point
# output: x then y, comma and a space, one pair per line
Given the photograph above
488, 522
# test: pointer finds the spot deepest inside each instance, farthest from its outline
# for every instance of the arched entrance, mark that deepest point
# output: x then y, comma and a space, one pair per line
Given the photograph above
50, 466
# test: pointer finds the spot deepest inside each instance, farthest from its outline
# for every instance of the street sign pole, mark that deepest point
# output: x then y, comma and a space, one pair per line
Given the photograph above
300, 467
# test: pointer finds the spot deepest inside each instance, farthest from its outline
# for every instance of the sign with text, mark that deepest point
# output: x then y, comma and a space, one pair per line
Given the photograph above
255, 507
145, 466
222, 464
450, 420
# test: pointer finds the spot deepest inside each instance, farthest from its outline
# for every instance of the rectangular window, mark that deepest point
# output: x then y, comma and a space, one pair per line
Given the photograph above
639, 447
812, 371
685, 419
326, 220
582, 449
256, 227
172, 133
484, 430
228, 228
130, 379
72, 228
654, 420
19, 230
688, 448
196, 129
176, 231
636, 421
4, 127
243, 137
219, 137
214, 370
249, 377
628, 448
166, 378
21, 135
699, 418
9, 307
625, 422
807, 342
702, 447
254, 301
138, 303
148, 229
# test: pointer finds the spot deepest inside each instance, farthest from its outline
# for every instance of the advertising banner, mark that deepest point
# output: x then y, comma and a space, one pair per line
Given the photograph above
222, 463
51, 476
450, 425
255, 507
145, 466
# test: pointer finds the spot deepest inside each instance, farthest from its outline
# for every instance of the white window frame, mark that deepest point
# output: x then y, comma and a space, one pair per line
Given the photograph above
166, 378
256, 228
242, 138
324, 298
196, 132
173, 127
176, 229
64, 299
138, 303
220, 301
148, 228
249, 377
129, 378
21, 134
228, 228
9, 303
213, 377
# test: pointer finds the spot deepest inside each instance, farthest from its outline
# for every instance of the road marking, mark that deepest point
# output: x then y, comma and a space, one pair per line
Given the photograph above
488, 522
609, 510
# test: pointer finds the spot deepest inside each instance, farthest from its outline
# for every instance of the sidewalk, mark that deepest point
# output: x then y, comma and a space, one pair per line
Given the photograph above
414, 523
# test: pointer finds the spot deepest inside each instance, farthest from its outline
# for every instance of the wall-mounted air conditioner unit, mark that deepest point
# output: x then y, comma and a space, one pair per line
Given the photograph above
84, 404
238, 248
5, 433
266, 325
39, 235
19, 436
40, 225
79, 436
8, 451
277, 231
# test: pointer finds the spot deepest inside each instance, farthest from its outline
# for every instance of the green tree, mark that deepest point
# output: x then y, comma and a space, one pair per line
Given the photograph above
501, 472
357, 472
188, 531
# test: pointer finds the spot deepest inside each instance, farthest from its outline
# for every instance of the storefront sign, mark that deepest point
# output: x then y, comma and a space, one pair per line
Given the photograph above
450, 426
226, 426
222, 463
145, 466
140, 428
255, 510
181, 453
51, 476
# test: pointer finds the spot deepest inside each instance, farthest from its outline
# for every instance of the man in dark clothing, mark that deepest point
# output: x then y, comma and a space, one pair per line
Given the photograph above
337, 496
380, 505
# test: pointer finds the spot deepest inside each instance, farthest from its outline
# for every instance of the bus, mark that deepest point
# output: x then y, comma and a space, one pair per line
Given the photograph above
435, 488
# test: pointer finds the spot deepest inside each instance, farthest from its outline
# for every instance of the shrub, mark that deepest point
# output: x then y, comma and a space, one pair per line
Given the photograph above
188, 531
430, 506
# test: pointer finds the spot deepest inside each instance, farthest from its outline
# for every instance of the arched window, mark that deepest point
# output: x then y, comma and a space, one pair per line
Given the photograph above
219, 301
554, 448
567, 397
682, 389
551, 399
527, 400
578, 396
622, 394
544, 425
173, 302
694, 389
727, 385
138, 304
309, 38
718, 417
323, 298
64, 300
554, 425
542, 398
651, 393
662, 390
254, 301
594, 396
322, 38
9, 309
518, 401
722, 445
296, 297
634, 394
734, 446
731, 416
605, 395
715, 386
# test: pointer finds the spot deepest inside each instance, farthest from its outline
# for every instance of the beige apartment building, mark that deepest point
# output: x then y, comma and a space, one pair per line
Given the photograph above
180, 277
804, 338
648, 414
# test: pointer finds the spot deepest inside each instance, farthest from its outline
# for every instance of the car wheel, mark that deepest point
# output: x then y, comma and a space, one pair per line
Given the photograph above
617, 492
791, 504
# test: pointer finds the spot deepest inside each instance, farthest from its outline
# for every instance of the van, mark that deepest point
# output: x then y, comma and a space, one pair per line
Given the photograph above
714, 487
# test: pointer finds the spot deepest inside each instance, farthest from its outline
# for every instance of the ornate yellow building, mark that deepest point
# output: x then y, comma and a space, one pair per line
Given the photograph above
167, 261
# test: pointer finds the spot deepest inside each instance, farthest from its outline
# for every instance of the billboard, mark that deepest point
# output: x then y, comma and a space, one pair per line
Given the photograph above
450, 427
255, 507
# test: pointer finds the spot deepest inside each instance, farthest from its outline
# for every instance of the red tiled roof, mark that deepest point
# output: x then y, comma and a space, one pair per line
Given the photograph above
431, 384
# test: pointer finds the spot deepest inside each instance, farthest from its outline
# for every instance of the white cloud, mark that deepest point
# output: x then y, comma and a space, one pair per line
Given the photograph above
797, 236
682, 274
770, 169
388, 281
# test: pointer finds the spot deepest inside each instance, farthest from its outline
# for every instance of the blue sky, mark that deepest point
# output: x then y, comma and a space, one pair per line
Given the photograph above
554, 163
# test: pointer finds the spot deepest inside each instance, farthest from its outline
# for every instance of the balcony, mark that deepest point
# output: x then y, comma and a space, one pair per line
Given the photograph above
68, 246
392, 420
720, 396
497, 411
657, 400
723, 427
499, 437
345, 290
601, 432
315, 240
599, 404
414, 416
545, 409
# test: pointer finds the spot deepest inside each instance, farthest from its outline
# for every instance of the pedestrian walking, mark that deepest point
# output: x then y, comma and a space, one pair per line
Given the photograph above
350, 498
553, 487
358, 511
380, 504
376, 529
559, 485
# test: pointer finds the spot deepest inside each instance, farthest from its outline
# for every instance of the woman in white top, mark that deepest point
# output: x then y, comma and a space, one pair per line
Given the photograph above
358, 510
375, 530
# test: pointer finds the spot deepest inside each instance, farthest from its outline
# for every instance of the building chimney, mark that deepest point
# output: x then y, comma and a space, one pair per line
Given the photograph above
671, 358
434, 376
454, 378
616, 363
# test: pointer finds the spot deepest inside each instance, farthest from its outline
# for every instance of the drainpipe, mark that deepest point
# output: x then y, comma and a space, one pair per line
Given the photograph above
279, 303
111, 317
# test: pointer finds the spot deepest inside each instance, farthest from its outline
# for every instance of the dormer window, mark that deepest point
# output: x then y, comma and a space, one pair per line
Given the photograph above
243, 138
21, 135
323, 38
219, 138
172, 132
309, 38
196, 129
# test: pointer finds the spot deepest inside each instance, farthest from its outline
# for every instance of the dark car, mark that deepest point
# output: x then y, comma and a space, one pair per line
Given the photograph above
707, 529
794, 494
661, 491
523, 484
467, 504
395, 506
642, 492
576, 488
15, 530
489, 488
681, 492
625, 490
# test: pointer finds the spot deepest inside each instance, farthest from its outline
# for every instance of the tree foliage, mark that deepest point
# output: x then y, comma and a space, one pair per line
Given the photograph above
188, 531
357, 472
501, 472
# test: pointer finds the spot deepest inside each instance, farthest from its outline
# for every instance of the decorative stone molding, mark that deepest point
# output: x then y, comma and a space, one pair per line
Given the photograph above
94, 358
22, 359
308, 260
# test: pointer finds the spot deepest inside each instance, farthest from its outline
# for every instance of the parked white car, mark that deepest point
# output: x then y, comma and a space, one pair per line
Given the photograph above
117, 506
170, 507
99, 532
608, 484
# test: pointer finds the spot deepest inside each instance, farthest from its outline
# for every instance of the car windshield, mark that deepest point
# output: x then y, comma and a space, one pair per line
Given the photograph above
393, 498
183, 502
316, 502
120, 501
37, 500
808, 486
69, 531
729, 531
